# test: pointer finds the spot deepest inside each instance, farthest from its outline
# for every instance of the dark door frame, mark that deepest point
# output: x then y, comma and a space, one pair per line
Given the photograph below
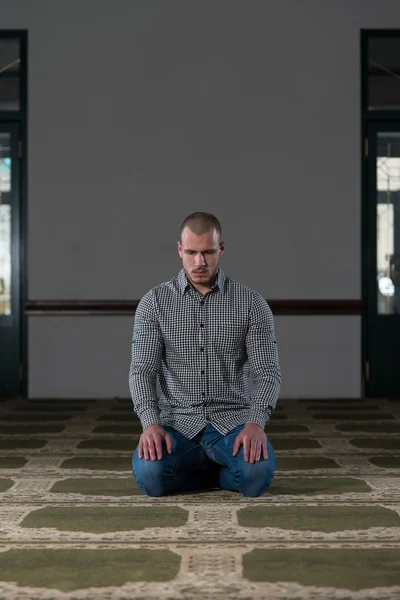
375, 118
20, 118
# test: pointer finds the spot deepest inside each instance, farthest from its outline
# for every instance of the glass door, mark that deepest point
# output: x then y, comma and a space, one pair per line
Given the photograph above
383, 260
10, 309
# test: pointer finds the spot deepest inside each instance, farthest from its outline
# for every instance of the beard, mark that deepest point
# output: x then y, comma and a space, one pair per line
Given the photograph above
203, 278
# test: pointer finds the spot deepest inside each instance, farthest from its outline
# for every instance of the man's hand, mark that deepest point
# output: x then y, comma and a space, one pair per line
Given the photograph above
254, 442
151, 440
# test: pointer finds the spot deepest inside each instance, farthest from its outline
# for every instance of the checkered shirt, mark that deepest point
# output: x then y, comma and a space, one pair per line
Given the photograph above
193, 357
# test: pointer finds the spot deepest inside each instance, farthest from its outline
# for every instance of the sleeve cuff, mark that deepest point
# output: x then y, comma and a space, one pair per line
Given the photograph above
260, 417
150, 416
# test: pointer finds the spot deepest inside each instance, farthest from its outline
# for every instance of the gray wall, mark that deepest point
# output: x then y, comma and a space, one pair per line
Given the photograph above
142, 112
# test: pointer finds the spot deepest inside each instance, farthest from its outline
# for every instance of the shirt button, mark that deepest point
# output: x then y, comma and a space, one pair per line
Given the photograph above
203, 394
202, 372
201, 301
201, 324
201, 349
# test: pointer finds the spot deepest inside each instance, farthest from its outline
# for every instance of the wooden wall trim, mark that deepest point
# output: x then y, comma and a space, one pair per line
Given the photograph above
36, 308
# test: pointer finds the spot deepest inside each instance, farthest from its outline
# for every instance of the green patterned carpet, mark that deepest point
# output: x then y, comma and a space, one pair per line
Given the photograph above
74, 525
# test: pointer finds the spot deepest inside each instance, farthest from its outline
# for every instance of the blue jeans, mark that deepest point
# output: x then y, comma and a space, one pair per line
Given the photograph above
201, 463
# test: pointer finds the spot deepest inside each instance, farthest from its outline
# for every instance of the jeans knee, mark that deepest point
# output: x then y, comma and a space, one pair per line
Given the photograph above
255, 478
149, 475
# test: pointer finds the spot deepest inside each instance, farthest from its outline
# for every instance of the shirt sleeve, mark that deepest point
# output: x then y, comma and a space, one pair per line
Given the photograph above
263, 360
147, 351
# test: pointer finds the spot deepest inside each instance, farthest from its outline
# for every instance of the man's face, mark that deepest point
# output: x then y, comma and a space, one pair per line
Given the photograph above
200, 255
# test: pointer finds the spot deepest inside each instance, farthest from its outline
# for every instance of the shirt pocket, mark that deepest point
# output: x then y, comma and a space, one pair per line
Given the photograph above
230, 336
182, 340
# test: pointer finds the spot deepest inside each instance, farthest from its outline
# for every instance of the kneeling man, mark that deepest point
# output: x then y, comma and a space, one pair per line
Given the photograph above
201, 335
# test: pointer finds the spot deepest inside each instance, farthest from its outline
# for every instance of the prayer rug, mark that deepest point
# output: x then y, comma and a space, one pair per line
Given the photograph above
75, 526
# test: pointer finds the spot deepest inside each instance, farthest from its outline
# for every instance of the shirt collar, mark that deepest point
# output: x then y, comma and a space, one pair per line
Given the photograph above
184, 283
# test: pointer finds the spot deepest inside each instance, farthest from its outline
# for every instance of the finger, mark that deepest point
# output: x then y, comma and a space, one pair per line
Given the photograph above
258, 451
152, 449
146, 450
158, 446
168, 443
246, 448
265, 451
236, 447
253, 450
140, 450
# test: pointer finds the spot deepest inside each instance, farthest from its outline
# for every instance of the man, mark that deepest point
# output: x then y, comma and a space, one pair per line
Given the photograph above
199, 336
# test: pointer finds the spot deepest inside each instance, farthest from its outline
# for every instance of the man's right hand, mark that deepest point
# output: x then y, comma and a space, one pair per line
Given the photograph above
151, 440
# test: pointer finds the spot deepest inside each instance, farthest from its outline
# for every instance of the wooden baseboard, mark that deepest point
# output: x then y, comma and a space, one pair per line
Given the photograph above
62, 308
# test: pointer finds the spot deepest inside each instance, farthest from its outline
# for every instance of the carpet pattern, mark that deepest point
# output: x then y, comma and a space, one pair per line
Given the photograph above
74, 525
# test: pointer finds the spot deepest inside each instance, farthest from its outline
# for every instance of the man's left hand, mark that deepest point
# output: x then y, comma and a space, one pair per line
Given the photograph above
254, 442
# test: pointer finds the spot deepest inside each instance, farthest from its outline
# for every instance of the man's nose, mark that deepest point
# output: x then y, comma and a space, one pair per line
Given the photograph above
200, 260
